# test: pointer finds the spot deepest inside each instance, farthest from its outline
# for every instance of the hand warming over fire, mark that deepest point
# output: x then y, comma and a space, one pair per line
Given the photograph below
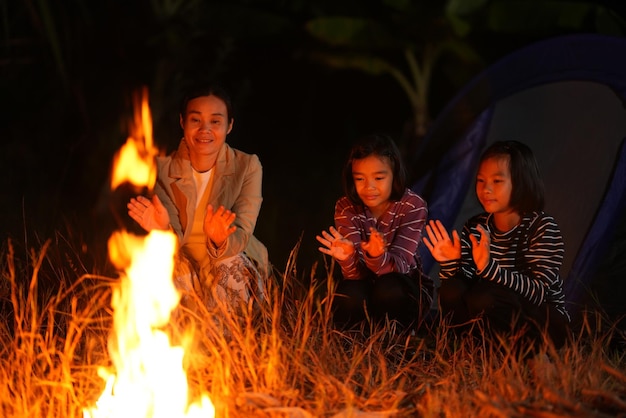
150, 214
480, 248
439, 243
218, 224
335, 244
376, 245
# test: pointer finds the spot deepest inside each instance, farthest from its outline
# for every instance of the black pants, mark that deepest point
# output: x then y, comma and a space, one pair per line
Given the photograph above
502, 310
392, 296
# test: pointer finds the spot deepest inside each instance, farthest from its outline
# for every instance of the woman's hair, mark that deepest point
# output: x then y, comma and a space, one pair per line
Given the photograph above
216, 90
528, 192
381, 146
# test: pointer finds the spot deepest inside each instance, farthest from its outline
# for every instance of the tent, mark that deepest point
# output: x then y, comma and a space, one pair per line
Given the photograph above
564, 97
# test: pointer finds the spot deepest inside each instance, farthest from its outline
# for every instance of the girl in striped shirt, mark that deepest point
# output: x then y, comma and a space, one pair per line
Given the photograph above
505, 265
378, 227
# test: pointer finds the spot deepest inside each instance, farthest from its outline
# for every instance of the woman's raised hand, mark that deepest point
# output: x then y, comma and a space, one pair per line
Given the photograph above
439, 243
335, 245
218, 224
150, 214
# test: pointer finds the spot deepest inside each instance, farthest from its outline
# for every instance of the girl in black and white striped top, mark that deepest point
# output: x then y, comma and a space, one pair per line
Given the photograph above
505, 266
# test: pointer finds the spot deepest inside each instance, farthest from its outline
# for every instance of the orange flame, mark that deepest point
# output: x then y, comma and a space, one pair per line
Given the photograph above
149, 379
135, 161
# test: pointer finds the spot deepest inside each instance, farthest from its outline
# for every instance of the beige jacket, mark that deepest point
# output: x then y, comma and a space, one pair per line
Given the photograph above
237, 186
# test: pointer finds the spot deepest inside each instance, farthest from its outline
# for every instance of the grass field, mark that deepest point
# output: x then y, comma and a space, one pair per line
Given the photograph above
284, 359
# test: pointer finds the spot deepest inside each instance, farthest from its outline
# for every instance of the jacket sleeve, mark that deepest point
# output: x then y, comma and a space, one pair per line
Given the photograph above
246, 206
162, 192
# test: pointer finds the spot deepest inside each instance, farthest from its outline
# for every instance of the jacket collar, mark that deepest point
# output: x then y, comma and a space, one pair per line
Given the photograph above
180, 166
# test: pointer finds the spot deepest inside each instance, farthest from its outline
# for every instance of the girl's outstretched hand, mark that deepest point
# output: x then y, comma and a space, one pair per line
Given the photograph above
376, 245
439, 243
480, 249
150, 214
218, 224
335, 245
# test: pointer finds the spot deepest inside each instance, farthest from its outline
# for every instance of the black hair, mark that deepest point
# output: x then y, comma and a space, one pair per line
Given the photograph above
382, 146
528, 192
214, 89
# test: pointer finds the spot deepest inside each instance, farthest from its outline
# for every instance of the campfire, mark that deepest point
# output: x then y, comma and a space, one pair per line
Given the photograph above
147, 378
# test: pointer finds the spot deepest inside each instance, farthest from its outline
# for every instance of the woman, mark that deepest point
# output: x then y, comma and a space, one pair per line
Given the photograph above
209, 194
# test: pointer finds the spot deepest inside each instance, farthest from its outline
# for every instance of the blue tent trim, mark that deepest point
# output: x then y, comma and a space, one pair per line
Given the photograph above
458, 135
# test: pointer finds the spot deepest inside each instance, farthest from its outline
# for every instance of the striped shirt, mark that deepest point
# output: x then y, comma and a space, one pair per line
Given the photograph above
526, 259
401, 226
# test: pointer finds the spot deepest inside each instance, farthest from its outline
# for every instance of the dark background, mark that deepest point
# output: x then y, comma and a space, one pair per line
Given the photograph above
68, 72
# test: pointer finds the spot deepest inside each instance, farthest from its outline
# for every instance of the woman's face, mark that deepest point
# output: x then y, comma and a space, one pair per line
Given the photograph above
373, 179
494, 185
205, 125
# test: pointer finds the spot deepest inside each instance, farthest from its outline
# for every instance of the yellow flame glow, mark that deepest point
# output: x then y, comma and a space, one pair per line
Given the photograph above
148, 379
135, 160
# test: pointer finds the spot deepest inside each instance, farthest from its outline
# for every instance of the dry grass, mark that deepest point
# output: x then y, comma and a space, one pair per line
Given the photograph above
283, 359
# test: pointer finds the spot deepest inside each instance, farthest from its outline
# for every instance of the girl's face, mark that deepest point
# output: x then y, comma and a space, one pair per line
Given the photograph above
373, 179
205, 125
494, 186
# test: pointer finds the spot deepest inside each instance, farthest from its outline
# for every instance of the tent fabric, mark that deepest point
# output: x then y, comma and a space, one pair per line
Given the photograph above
596, 242
456, 172
460, 133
